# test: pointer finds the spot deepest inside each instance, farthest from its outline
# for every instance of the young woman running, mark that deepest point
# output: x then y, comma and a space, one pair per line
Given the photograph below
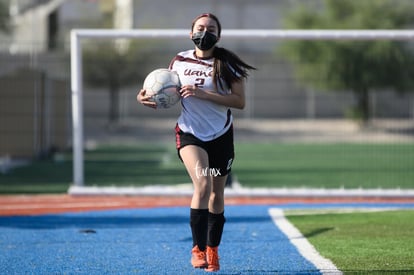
212, 81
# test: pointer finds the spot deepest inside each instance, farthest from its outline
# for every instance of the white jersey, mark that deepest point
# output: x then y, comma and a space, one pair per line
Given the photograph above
204, 119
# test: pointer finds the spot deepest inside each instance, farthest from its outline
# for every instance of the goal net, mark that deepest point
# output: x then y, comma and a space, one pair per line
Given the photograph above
244, 40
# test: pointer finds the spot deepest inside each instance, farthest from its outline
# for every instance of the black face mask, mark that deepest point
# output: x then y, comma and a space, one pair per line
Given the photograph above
204, 40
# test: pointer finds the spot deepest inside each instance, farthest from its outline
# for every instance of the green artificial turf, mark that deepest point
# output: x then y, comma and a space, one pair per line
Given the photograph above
256, 165
376, 242
325, 165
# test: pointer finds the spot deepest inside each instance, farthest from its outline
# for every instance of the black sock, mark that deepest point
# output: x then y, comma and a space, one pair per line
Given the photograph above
199, 225
215, 228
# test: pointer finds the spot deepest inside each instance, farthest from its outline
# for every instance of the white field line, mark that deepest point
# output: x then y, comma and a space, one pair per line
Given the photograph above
306, 249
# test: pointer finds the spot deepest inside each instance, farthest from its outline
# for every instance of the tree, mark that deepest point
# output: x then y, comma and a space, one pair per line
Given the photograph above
359, 66
108, 66
113, 64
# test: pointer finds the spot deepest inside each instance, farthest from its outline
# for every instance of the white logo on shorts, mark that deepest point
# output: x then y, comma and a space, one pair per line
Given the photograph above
204, 172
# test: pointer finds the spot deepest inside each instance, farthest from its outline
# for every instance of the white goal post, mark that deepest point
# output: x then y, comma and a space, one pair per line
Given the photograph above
77, 35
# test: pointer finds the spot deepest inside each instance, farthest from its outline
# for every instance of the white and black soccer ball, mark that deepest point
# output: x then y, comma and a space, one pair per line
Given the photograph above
164, 86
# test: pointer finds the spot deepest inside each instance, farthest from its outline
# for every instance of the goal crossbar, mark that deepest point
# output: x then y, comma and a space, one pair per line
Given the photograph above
252, 33
77, 35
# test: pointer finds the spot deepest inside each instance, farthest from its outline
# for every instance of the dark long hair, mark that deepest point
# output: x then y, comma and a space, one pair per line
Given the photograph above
227, 65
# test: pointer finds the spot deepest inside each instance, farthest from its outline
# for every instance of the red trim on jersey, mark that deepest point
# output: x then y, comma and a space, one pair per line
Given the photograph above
188, 60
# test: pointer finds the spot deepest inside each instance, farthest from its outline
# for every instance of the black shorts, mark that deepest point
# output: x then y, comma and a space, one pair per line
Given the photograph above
220, 150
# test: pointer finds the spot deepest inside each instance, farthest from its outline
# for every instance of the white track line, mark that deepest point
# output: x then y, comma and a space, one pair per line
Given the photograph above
68, 205
238, 190
306, 249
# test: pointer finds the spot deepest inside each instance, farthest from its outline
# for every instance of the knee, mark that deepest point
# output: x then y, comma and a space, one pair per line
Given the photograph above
202, 189
216, 197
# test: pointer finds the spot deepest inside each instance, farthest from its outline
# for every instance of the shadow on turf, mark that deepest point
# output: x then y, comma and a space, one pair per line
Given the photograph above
318, 231
103, 222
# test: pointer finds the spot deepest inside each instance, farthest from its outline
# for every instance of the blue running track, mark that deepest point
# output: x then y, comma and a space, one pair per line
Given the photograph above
146, 241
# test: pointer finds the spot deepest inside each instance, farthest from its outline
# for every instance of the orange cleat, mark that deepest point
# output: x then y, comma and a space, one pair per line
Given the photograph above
198, 258
212, 259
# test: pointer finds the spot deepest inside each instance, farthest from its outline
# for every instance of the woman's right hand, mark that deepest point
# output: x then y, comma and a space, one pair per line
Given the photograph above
145, 99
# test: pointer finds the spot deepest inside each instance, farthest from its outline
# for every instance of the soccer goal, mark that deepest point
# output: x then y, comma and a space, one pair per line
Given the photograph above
78, 35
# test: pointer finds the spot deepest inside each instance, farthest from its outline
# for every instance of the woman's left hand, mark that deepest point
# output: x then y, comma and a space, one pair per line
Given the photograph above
190, 90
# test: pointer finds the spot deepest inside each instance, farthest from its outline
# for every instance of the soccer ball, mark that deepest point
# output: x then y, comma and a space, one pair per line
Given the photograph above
164, 86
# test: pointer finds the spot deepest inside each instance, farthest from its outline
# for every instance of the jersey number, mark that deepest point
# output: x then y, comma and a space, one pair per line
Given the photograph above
199, 82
